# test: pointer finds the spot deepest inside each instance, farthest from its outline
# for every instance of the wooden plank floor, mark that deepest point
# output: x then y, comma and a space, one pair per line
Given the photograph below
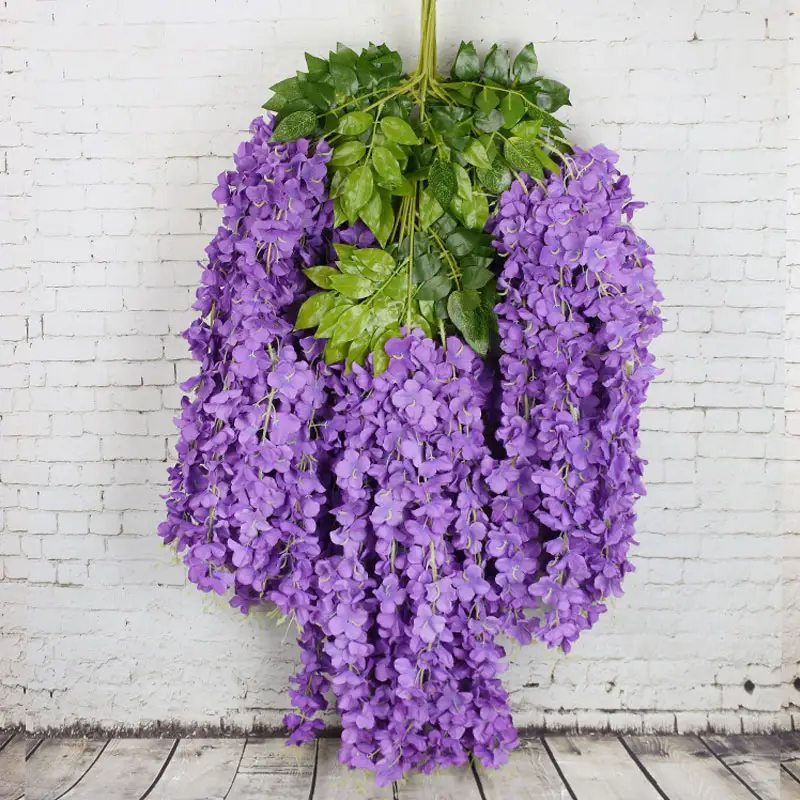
544, 768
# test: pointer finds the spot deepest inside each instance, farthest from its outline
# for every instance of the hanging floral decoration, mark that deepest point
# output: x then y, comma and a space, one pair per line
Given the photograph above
423, 332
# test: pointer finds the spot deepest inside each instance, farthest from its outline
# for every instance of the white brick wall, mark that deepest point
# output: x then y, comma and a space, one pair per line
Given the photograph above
122, 112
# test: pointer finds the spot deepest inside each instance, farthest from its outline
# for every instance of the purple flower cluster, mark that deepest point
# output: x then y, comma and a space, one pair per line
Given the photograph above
247, 491
404, 631
577, 315
370, 509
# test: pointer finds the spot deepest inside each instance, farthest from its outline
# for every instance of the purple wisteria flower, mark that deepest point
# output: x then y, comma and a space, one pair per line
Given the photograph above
374, 510
577, 315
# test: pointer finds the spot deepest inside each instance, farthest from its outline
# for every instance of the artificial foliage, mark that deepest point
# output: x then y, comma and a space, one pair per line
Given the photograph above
423, 334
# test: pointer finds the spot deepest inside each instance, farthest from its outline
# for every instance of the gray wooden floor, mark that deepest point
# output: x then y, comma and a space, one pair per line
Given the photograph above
549, 768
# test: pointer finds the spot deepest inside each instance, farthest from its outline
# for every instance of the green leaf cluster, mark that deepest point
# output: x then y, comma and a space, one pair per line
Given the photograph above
420, 160
361, 304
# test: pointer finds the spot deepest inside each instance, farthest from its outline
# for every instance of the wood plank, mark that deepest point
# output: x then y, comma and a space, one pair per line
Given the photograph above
12, 769
529, 775
599, 768
200, 769
684, 768
270, 767
58, 764
125, 770
336, 781
454, 783
790, 788
755, 759
790, 753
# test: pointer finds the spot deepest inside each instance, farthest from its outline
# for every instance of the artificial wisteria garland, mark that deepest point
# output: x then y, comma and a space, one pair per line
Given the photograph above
452, 456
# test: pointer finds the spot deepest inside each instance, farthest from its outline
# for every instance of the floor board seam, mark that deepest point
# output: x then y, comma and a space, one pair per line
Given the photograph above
86, 771
473, 763
238, 767
313, 787
558, 769
650, 778
732, 771
163, 769
790, 773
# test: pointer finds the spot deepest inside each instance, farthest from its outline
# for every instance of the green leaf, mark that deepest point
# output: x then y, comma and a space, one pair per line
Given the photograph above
286, 91
547, 162
295, 126
335, 350
275, 103
487, 99
445, 225
435, 288
428, 310
385, 311
442, 181
301, 104
380, 358
288, 88
337, 182
371, 213
315, 64
475, 154
358, 189
550, 95
345, 252
386, 165
463, 183
360, 347
355, 123
488, 123
343, 55
475, 277
348, 153
429, 209
467, 66
403, 189
321, 276
322, 95
332, 316
375, 263
481, 208
470, 206
496, 179
513, 109
497, 66
426, 265
398, 130
344, 77
384, 228
525, 65
313, 310
418, 321
466, 312
353, 286
522, 156
527, 130
462, 242
397, 287
351, 323
340, 214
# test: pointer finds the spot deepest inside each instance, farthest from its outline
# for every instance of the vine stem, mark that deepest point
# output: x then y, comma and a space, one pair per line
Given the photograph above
426, 68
